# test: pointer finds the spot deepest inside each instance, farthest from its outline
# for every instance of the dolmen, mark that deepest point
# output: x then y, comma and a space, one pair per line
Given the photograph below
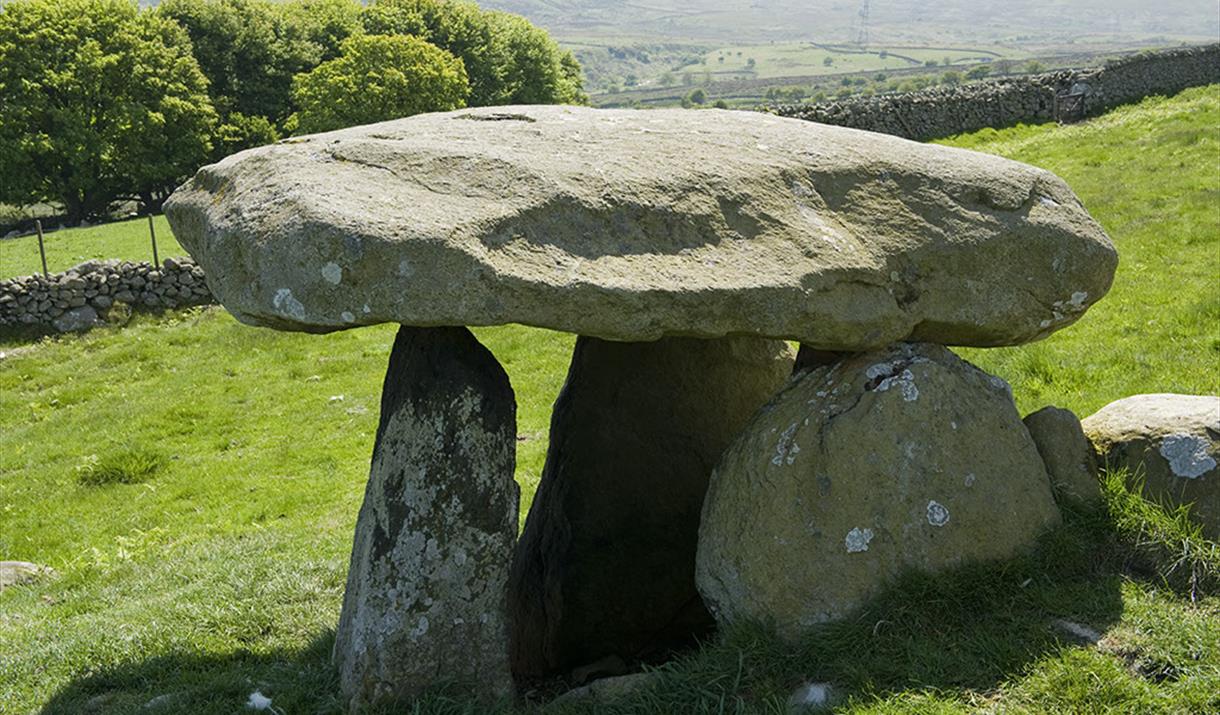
698, 471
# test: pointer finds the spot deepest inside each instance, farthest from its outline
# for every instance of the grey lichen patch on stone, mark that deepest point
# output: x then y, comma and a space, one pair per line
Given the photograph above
786, 448
1187, 455
287, 305
905, 382
857, 540
938, 514
332, 273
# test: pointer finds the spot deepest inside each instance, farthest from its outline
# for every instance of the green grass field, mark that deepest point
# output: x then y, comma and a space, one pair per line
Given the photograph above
195, 482
805, 59
127, 240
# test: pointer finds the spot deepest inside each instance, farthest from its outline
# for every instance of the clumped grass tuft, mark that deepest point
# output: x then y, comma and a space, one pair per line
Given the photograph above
129, 466
1161, 538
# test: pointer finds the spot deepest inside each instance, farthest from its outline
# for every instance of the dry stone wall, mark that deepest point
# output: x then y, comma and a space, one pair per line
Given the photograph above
85, 296
1066, 94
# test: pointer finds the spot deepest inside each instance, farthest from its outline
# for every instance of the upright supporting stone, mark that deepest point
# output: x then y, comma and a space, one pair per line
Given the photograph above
606, 562
425, 599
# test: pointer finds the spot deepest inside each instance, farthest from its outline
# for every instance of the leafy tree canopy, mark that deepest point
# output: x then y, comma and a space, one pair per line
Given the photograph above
379, 77
98, 102
508, 60
249, 49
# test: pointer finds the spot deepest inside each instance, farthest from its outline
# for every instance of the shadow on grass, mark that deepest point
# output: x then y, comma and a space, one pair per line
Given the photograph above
972, 629
300, 681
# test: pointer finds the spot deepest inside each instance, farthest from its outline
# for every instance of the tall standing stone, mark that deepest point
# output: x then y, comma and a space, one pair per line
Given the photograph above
606, 561
425, 599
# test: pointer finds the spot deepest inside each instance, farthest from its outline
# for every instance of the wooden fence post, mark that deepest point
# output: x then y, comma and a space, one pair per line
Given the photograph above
153, 232
42, 250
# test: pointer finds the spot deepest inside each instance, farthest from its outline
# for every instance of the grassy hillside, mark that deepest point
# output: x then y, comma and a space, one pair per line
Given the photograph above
920, 21
128, 240
195, 483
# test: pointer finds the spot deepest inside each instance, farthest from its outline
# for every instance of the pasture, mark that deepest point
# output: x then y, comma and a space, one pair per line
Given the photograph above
194, 483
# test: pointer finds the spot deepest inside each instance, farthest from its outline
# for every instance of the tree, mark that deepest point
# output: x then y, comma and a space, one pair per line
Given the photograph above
979, 72
379, 77
98, 102
507, 60
322, 25
246, 52
531, 67
697, 96
951, 78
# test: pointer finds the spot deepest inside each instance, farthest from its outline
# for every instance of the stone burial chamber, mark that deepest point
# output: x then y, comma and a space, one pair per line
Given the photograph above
685, 248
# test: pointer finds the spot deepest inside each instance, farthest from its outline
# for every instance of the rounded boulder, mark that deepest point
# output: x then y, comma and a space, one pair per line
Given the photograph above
902, 458
1170, 444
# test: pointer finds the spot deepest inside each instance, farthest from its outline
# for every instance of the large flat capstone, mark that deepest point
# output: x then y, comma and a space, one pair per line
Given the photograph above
635, 225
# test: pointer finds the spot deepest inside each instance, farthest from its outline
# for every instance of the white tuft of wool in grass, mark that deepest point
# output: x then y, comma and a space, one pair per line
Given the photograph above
258, 701
1084, 633
809, 696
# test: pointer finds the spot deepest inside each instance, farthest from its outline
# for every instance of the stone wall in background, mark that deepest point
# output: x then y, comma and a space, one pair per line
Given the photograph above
1067, 94
88, 294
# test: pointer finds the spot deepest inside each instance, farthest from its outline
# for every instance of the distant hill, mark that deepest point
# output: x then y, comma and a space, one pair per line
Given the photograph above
889, 21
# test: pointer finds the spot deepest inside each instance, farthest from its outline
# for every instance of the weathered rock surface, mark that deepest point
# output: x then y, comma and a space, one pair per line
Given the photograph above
1172, 442
1067, 454
606, 562
902, 458
633, 225
425, 598
76, 320
15, 573
608, 690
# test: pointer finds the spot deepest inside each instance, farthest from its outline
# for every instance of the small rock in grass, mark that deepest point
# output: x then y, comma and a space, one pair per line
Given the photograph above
1068, 456
15, 573
1170, 444
607, 690
1077, 631
162, 701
